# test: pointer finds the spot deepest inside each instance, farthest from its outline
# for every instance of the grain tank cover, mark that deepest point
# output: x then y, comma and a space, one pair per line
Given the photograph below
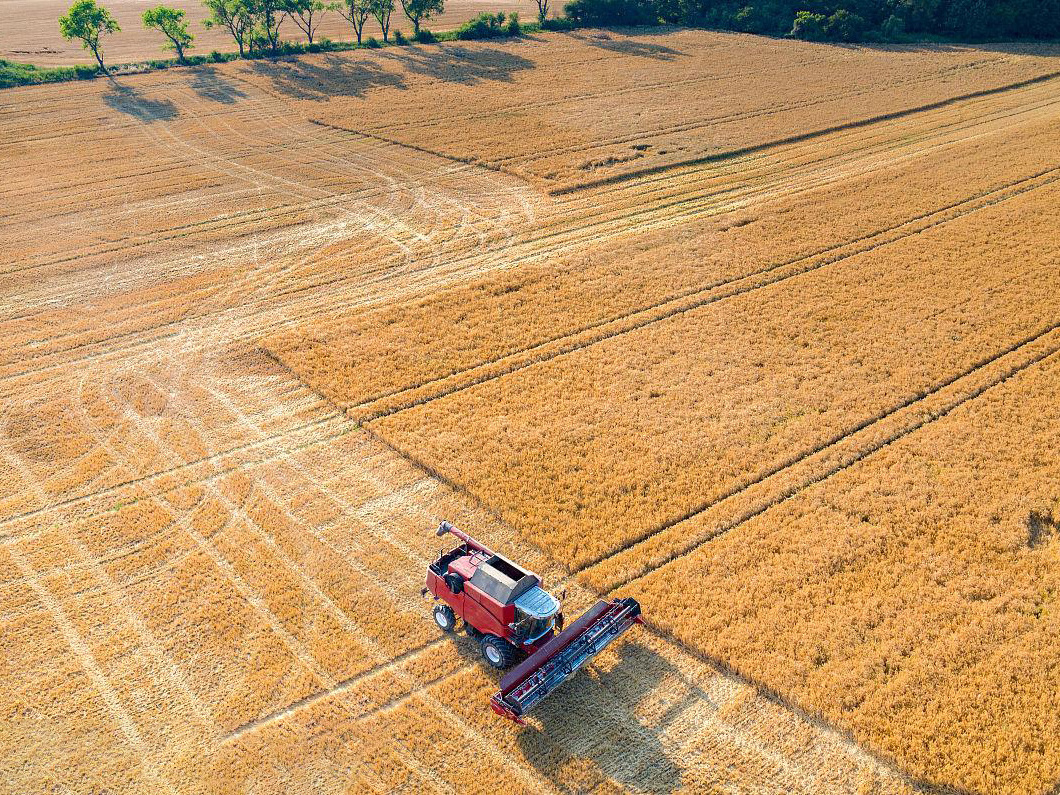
501, 579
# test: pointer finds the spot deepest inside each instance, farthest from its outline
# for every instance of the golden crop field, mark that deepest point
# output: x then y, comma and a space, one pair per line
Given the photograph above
776, 357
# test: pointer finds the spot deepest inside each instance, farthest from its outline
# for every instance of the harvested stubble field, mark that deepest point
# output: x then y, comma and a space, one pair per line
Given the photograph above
265, 323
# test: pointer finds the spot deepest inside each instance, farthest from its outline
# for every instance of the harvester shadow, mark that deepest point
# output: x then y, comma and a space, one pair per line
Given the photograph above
592, 719
126, 99
208, 84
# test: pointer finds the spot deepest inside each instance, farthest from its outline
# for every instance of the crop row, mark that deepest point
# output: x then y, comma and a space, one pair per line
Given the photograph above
573, 115
378, 360
911, 598
586, 451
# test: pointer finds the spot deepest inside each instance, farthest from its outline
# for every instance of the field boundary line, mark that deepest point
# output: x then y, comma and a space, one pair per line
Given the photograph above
689, 301
792, 139
928, 417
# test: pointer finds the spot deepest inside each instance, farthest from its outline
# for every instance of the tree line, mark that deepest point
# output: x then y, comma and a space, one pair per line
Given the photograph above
254, 25
837, 20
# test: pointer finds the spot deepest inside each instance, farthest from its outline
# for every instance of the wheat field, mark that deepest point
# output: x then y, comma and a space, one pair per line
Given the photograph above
779, 360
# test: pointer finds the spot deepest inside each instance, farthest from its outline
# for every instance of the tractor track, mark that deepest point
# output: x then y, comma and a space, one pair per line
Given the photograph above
219, 429
848, 459
621, 221
339, 688
664, 310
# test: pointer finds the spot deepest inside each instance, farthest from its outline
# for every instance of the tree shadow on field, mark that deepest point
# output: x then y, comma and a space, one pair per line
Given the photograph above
460, 64
208, 84
129, 101
590, 729
321, 78
628, 46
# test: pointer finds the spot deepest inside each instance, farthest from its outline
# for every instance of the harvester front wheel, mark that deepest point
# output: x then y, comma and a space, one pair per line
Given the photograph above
444, 617
498, 652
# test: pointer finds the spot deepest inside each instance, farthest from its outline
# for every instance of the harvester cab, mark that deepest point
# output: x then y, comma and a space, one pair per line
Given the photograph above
517, 622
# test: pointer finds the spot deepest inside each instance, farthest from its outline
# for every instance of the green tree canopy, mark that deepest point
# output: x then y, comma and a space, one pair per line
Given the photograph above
170, 21
235, 16
418, 10
306, 14
88, 22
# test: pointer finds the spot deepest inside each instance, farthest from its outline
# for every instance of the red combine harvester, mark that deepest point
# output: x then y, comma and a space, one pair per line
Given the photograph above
517, 621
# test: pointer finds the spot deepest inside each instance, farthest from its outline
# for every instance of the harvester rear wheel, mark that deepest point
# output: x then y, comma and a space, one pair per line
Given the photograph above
498, 652
444, 617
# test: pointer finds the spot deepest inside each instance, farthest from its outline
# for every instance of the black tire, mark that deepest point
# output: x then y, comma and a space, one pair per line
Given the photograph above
445, 618
498, 652
454, 581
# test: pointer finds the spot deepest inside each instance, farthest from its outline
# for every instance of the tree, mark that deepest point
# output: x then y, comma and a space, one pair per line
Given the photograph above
809, 27
268, 16
357, 12
892, 28
235, 16
88, 22
417, 10
381, 10
844, 26
542, 10
170, 21
306, 14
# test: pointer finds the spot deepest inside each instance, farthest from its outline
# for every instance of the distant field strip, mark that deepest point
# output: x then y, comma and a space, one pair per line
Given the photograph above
747, 150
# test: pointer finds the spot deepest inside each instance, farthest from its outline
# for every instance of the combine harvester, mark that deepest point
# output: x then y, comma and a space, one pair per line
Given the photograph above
516, 621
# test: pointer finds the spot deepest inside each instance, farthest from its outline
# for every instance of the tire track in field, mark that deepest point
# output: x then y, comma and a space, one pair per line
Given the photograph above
627, 218
700, 297
90, 665
623, 218
279, 441
339, 688
265, 211
1037, 347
